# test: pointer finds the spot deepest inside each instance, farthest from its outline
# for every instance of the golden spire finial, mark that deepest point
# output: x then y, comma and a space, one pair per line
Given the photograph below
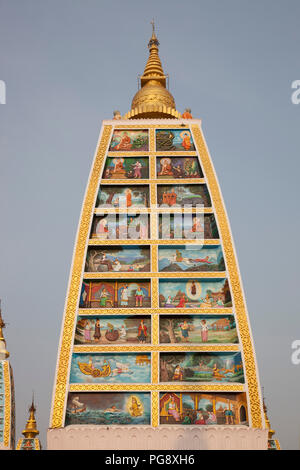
153, 100
3, 352
30, 432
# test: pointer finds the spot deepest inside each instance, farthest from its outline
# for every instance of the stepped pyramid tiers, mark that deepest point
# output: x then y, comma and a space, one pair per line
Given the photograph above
156, 350
30, 440
7, 396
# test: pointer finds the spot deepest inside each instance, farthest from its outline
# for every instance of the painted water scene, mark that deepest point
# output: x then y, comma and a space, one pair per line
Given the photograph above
194, 293
113, 330
118, 259
197, 329
174, 139
113, 294
183, 195
192, 258
187, 226
178, 167
123, 196
108, 408
129, 140
203, 408
121, 226
110, 368
201, 367
126, 168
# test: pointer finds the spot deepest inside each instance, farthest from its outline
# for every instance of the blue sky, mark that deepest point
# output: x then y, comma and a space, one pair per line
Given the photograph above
67, 65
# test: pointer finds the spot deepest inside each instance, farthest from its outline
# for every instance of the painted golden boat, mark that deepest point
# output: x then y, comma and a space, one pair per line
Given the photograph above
87, 369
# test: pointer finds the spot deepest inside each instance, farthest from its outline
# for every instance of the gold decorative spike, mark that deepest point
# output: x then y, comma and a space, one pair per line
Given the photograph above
30, 432
153, 100
4, 354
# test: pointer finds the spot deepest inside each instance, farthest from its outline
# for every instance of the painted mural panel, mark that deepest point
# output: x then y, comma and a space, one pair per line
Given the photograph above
129, 140
203, 408
110, 368
113, 294
121, 226
113, 330
118, 259
201, 367
197, 329
123, 196
174, 139
180, 195
178, 167
190, 258
126, 168
109, 408
189, 226
194, 293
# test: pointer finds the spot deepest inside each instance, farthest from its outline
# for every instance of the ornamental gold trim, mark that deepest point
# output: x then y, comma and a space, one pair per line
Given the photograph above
155, 329
184, 241
151, 311
154, 367
156, 387
154, 348
7, 404
250, 368
153, 275
113, 182
155, 409
64, 356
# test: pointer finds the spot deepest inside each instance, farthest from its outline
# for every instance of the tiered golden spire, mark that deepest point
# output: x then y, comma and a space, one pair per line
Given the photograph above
30, 432
153, 100
3, 352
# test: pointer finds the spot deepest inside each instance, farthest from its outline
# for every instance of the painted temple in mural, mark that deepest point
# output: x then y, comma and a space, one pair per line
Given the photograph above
155, 331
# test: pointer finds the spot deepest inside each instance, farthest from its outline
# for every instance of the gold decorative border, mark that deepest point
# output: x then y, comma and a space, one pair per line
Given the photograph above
113, 182
64, 357
155, 348
154, 367
156, 387
177, 241
236, 289
154, 275
155, 409
7, 403
155, 329
151, 311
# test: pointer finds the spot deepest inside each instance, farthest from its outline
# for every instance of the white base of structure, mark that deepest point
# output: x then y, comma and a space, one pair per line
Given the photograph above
163, 438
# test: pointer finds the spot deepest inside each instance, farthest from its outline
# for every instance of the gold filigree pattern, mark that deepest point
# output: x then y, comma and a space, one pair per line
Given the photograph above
155, 348
183, 241
148, 275
155, 367
75, 283
7, 404
235, 282
212, 387
155, 329
155, 409
141, 311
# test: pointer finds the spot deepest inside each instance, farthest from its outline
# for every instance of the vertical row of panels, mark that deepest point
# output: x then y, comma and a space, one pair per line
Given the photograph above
122, 348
